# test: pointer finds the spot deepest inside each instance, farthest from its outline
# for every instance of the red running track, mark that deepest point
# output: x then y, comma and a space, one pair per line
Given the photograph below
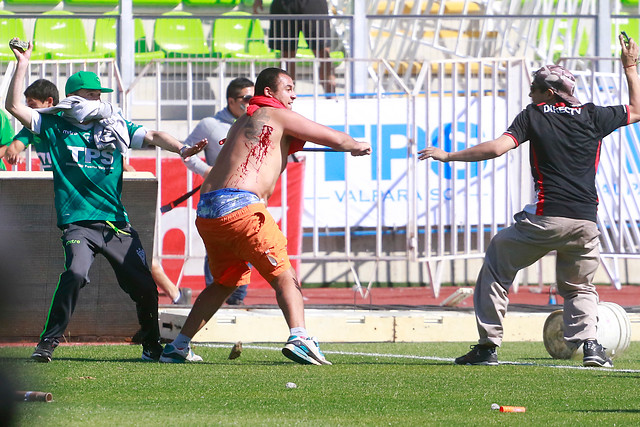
423, 296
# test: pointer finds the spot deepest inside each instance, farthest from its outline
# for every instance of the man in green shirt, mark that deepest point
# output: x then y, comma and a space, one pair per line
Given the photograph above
6, 136
40, 94
86, 139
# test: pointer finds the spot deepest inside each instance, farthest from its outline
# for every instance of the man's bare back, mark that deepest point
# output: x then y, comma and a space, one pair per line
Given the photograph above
253, 156
255, 151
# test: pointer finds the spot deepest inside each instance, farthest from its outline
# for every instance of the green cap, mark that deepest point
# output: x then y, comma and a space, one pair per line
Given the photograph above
84, 80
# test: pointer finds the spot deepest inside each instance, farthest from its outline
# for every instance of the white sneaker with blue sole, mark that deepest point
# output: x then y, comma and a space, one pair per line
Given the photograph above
172, 354
304, 351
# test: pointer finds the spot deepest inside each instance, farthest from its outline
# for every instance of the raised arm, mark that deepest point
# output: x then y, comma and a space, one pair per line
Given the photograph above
483, 151
13, 103
169, 143
629, 57
308, 130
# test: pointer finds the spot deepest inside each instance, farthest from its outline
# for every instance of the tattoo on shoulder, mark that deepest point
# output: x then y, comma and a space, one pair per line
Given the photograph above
256, 124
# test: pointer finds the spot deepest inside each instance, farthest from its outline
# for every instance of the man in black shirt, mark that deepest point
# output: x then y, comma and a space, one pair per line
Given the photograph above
565, 138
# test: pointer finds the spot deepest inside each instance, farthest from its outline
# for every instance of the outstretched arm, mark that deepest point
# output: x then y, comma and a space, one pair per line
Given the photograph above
308, 130
169, 143
13, 103
483, 151
629, 57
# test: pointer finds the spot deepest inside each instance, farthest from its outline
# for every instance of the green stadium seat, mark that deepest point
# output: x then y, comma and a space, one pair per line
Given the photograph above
105, 40
93, 3
180, 37
31, 2
211, 3
240, 38
61, 38
11, 27
156, 3
304, 52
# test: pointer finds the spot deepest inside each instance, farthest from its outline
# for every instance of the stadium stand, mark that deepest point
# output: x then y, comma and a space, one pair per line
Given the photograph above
11, 27
105, 40
415, 8
93, 3
210, 3
156, 3
180, 37
304, 52
61, 37
240, 38
32, 2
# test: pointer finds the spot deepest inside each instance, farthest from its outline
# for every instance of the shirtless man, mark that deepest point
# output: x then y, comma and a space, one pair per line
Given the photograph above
233, 220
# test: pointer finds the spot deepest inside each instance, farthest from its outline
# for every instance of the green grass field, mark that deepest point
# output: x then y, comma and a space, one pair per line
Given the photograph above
369, 384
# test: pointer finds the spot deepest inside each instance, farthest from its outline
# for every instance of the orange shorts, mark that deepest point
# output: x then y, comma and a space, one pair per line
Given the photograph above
248, 235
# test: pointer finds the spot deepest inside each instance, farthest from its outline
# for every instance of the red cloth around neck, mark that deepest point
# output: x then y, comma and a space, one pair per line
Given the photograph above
266, 101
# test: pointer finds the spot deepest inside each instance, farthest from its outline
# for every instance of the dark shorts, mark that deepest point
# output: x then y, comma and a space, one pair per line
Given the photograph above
283, 34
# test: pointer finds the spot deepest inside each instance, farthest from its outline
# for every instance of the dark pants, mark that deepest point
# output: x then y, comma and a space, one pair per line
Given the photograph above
122, 248
283, 34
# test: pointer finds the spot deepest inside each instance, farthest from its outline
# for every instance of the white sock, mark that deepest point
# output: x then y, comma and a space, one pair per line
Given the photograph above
301, 332
175, 300
181, 341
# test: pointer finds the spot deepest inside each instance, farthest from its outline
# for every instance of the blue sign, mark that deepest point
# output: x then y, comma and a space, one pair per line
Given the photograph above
447, 145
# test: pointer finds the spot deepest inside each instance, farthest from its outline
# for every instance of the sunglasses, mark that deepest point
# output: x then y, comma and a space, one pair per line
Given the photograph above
245, 98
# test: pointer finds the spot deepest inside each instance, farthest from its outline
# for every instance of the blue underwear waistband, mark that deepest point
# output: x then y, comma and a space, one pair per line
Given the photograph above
218, 203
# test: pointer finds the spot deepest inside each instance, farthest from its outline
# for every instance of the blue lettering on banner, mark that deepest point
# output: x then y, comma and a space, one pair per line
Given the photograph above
447, 145
372, 195
334, 162
633, 134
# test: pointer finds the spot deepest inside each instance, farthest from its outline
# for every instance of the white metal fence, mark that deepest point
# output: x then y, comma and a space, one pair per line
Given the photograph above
363, 215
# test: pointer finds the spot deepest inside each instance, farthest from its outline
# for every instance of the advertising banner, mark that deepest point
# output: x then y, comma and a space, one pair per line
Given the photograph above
350, 187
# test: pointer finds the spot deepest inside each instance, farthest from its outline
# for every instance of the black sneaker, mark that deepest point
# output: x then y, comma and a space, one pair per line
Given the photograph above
151, 352
44, 349
479, 355
594, 355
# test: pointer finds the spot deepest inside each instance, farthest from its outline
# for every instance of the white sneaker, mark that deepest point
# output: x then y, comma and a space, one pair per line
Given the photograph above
173, 354
304, 351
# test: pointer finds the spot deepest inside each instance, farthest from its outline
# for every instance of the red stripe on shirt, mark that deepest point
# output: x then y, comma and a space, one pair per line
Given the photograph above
540, 203
512, 137
598, 162
626, 107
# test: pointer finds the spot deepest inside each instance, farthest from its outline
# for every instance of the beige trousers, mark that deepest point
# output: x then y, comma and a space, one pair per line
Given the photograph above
522, 244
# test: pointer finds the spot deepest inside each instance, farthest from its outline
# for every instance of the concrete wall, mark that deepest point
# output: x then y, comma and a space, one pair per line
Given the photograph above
103, 309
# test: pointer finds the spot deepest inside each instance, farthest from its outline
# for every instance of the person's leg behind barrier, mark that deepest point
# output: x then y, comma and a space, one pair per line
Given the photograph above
162, 280
208, 277
238, 295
